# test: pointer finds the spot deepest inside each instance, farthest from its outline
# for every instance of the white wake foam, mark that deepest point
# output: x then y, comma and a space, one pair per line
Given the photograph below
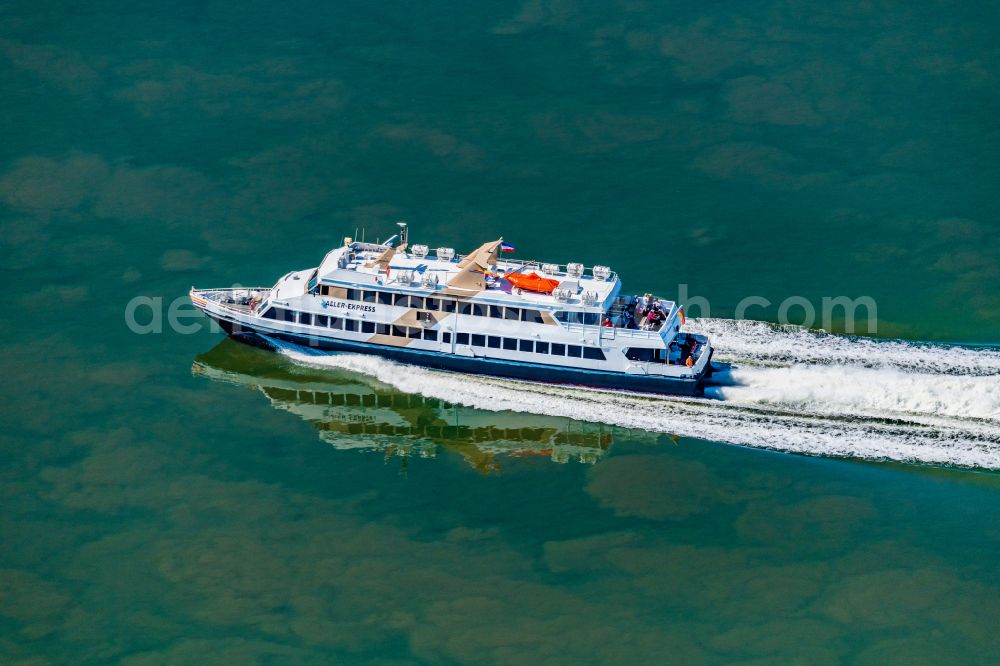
795, 391
760, 343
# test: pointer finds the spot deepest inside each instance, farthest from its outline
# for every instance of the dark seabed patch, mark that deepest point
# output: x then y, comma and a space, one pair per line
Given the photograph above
252, 511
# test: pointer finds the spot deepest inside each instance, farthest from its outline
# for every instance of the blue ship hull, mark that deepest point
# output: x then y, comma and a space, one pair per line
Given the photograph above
478, 366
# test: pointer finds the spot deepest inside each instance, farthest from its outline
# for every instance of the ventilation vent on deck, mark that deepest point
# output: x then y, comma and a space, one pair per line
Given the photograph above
562, 295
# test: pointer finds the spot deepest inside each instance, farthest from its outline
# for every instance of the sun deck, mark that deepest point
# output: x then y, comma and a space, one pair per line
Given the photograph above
363, 265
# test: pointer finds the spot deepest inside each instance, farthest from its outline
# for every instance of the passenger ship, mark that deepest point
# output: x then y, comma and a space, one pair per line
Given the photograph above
479, 313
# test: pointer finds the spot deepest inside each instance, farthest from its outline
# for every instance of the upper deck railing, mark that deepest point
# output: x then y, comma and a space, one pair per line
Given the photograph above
531, 263
599, 332
239, 299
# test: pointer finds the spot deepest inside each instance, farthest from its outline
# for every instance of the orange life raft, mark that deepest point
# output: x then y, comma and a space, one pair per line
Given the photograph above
532, 282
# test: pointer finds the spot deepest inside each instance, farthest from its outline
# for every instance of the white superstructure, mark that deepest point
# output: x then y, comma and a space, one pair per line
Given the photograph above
375, 298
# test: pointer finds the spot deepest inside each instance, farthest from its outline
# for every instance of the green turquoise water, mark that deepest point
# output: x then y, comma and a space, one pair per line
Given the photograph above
182, 498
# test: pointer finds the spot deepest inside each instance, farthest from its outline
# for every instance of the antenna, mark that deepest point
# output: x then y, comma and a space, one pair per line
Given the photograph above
402, 232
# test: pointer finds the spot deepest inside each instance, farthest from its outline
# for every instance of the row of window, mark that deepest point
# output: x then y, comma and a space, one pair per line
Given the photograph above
534, 346
588, 318
441, 305
473, 339
340, 323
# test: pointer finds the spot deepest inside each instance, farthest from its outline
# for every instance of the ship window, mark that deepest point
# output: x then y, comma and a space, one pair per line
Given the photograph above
558, 349
385, 298
432, 304
367, 327
336, 322
532, 316
541, 348
575, 351
430, 334
306, 318
593, 353
462, 338
413, 332
322, 320
370, 296
353, 295
272, 313
639, 354
382, 329
590, 318
350, 325
447, 306
510, 343
478, 340
288, 315
324, 290
570, 317
526, 345
474, 309
410, 301
493, 341
513, 313
496, 312
399, 331
446, 338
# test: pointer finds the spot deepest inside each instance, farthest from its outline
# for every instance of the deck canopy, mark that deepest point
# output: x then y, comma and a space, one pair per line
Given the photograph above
472, 269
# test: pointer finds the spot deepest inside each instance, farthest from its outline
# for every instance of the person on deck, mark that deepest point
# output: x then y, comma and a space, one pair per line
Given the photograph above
639, 312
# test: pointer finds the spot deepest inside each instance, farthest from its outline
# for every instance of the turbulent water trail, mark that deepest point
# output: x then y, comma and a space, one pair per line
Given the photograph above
789, 390
758, 343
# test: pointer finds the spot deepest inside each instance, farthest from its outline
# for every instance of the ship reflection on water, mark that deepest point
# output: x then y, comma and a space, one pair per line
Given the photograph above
354, 412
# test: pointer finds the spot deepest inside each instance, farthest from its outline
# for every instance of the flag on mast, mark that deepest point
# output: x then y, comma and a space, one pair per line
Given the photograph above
506, 247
